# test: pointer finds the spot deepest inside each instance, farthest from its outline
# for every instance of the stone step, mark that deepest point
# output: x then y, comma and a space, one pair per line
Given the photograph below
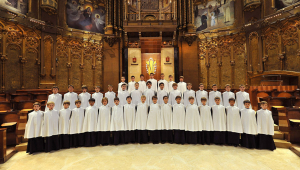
21, 147
276, 127
282, 143
278, 135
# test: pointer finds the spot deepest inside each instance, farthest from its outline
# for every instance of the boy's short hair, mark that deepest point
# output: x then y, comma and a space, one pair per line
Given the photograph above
142, 75
191, 97
154, 97
177, 97
149, 82
77, 101
136, 83
124, 84
201, 84
203, 99
55, 87
181, 77
66, 102
97, 87
227, 85
92, 100
263, 102
231, 99
132, 76
48, 103
70, 85
84, 87
246, 101
170, 76
174, 84
143, 96
189, 84
116, 98
165, 97
217, 97
104, 98
213, 85
161, 83
151, 73
241, 85
128, 97
122, 77
162, 74
110, 85
36, 103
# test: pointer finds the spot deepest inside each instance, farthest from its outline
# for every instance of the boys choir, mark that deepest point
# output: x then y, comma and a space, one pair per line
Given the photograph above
174, 113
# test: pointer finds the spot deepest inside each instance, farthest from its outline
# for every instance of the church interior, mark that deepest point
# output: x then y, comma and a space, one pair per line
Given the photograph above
88, 43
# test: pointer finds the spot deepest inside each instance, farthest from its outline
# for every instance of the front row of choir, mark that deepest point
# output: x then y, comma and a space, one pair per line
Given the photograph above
53, 130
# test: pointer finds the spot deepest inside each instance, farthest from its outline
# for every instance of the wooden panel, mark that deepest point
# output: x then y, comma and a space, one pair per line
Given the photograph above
31, 71
62, 73
213, 72
151, 45
292, 59
225, 71
12, 70
75, 73
239, 71
88, 72
2, 144
156, 57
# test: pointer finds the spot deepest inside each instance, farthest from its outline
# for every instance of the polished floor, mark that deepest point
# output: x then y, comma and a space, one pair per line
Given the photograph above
161, 156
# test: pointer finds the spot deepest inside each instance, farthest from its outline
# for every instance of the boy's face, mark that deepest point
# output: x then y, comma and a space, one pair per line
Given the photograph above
215, 88
189, 87
242, 88
178, 100
142, 78
171, 78
154, 101
203, 102
78, 105
162, 77
191, 101
149, 85
128, 100
166, 100
247, 105
161, 86
181, 79
55, 90
151, 76
71, 89
217, 101
132, 78
143, 99
227, 88
231, 102
36, 107
91, 103
136, 86
124, 87
84, 90
264, 106
175, 87
116, 102
66, 106
122, 79
104, 102
110, 88
201, 87
50, 106
97, 90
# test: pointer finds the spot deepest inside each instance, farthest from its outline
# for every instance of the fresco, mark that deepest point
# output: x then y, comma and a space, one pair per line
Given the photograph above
17, 6
279, 4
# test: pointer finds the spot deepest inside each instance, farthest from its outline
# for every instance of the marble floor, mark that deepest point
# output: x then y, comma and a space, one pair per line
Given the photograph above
160, 156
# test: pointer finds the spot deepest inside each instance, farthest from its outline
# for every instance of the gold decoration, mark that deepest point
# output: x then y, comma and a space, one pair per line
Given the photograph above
151, 66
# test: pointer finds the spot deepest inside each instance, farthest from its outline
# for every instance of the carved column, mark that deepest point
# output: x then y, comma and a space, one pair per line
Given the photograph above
180, 14
260, 53
281, 54
298, 30
3, 59
232, 63
184, 13
190, 26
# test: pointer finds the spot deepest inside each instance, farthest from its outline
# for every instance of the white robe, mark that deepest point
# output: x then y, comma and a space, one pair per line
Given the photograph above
98, 99
170, 84
178, 116
186, 96
206, 118
160, 96
166, 116
72, 97
103, 123
142, 86
141, 116
76, 121
192, 118
219, 117
166, 85
240, 98
110, 96
173, 95
90, 119
265, 122
50, 123
136, 97
57, 99
199, 95
226, 97
131, 86
120, 86
34, 125
182, 87
117, 119
129, 117
154, 84
84, 98
234, 123
154, 117
212, 96
149, 93
122, 95
64, 121
249, 121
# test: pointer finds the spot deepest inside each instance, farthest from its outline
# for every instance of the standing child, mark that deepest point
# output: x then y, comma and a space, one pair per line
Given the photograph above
110, 95
90, 124
136, 95
142, 83
241, 96
213, 94
76, 126
97, 96
50, 128
84, 97
248, 117
56, 98
64, 119
193, 125
149, 93
207, 123
187, 94
170, 84
131, 85
70, 96
153, 82
219, 121
162, 80
265, 128
141, 121
117, 123
154, 122
234, 123
129, 121
179, 121
103, 124
173, 94
166, 121
122, 95
33, 130
181, 85
201, 93
161, 93
227, 95
120, 84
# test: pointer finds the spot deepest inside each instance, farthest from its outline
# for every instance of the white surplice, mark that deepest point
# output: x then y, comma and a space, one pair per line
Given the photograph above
98, 99
84, 98
129, 117
178, 116
110, 96
186, 95
219, 117
103, 123
57, 99
76, 121
206, 118
90, 119
72, 97
34, 125
265, 122
192, 118
154, 117
212, 96
117, 119
141, 116
248, 117
199, 95
234, 122
149, 93
166, 116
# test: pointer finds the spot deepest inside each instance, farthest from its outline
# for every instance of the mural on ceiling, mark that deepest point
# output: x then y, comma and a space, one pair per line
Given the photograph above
18, 6
279, 4
214, 14
85, 16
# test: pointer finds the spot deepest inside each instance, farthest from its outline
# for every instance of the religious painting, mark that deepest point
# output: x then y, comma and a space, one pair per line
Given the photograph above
85, 16
166, 3
17, 6
279, 4
214, 14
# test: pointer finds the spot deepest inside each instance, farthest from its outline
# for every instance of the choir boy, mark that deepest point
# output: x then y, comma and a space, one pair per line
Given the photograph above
165, 82
170, 84
265, 128
248, 117
153, 81
178, 122
154, 121
120, 84
76, 125
227, 95
166, 121
187, 94
219, 122
234, 123
97, 96
122, 95
173, 94
103, 123
70, 96
129, 121
161, 93
64, 125
117, 123
214, 93
131, 85
90, 124
241, 96
193, 125
141, 121
33, 130
110, 95
136, 95
201, 93
56, 98
181, 85
149, 93
206, 120
84, 97
50, 128
142, 83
